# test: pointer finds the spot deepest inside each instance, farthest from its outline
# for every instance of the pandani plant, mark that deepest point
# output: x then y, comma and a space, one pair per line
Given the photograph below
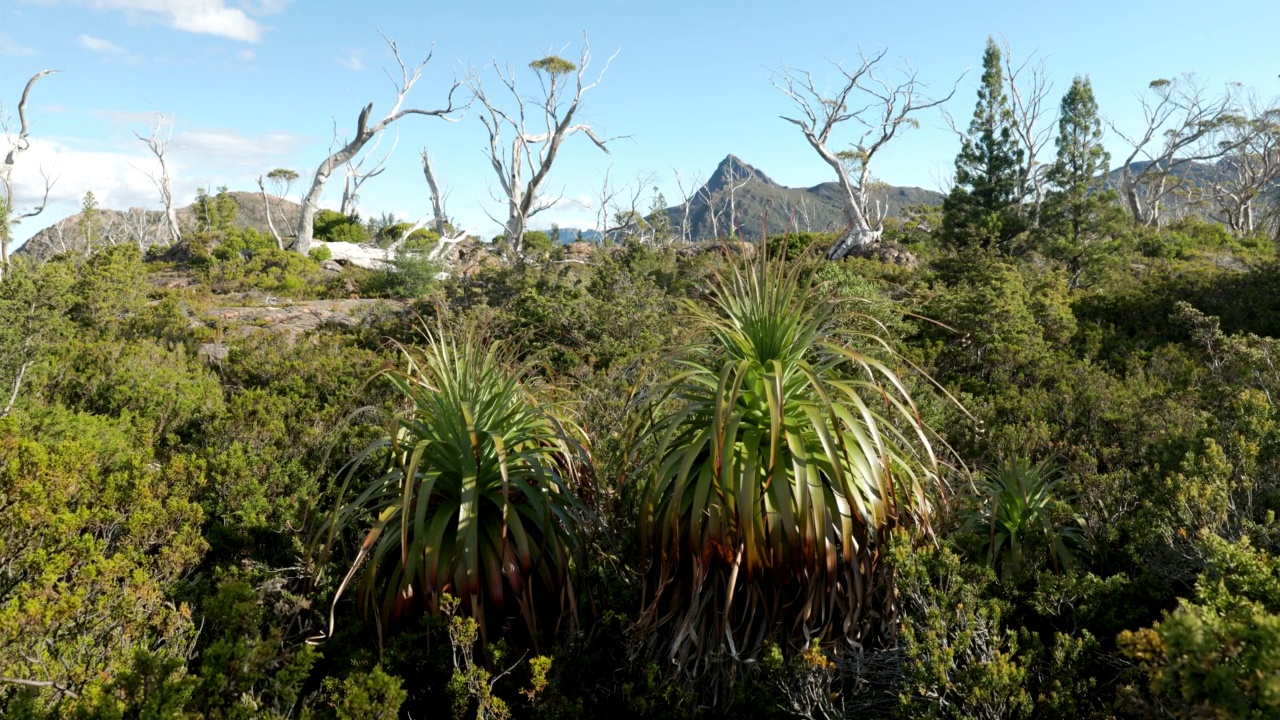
782, 454
1020, 514
472, 496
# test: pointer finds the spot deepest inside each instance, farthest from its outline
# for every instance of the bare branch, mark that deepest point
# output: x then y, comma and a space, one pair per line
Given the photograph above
364, 133
17, 146
1182, 114
1029, 86
882, 107
158, 144
530, 151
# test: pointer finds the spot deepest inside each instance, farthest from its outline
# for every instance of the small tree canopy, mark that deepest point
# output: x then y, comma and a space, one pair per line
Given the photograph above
553, 65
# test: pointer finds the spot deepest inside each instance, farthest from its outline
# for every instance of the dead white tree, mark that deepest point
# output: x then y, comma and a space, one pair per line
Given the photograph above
281, 179
365, 131
1250, 170
624, 210
137, 225
158, 143
881, 107
732, 186
439, 220
1033, 120
604, 200
356, 175
687, 195
534, 150
18, 145
1180, 118
266, 202
712, 215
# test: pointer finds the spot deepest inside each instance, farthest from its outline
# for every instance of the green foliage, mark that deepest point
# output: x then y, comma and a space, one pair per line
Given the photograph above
242, 244
553, 65
154, 688
411, 274
320, 253
265, 268
982, 209
537, 243
958, 661
773, 476
374, 695
34, 303
215, 214
1080, 212
96, 532
1018, 515
248, 668
333, 226
90, 219
479, 482
110, 288
1217, 656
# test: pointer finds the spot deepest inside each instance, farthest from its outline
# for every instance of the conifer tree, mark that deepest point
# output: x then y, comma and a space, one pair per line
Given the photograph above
982, 208
1079, 209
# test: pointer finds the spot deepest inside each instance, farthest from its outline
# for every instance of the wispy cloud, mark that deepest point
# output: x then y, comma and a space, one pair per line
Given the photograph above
352, 60
227, 149
9, 47
125, 117
202, 17
99, 45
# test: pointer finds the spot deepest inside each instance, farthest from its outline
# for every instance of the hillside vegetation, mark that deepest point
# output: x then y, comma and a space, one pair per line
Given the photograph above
1013, 458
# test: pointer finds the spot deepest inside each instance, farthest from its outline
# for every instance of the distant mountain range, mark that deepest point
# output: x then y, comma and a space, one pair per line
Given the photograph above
735, 193
752, 199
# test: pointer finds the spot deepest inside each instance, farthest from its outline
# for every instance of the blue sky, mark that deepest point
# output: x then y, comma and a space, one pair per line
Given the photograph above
256, 84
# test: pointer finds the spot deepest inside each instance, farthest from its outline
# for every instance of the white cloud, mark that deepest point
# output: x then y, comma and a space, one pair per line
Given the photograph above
202, 17
119, 180
246, 55
352, 60
9, 47
99, 45
109, 175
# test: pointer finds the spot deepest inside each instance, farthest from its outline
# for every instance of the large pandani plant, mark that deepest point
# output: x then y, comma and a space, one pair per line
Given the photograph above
783, 455
475, 497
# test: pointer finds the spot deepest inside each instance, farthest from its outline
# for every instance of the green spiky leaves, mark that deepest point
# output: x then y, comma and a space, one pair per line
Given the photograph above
784, 452
476, 496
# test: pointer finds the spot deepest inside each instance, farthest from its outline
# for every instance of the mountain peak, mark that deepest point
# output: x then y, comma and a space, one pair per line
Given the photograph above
732, 171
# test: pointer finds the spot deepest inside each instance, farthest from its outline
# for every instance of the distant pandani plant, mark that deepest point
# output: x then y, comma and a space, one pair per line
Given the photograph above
474, 499
784, 454
1021, 514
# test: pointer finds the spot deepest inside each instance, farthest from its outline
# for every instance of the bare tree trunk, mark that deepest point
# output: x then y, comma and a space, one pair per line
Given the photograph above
364, 133
158, 144
266, 201
441, 220
17, 146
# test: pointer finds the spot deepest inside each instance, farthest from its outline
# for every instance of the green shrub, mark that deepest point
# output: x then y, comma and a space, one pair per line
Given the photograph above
320, 253
332, 226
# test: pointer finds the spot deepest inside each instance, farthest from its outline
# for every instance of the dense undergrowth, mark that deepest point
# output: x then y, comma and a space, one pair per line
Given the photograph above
1099, 541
